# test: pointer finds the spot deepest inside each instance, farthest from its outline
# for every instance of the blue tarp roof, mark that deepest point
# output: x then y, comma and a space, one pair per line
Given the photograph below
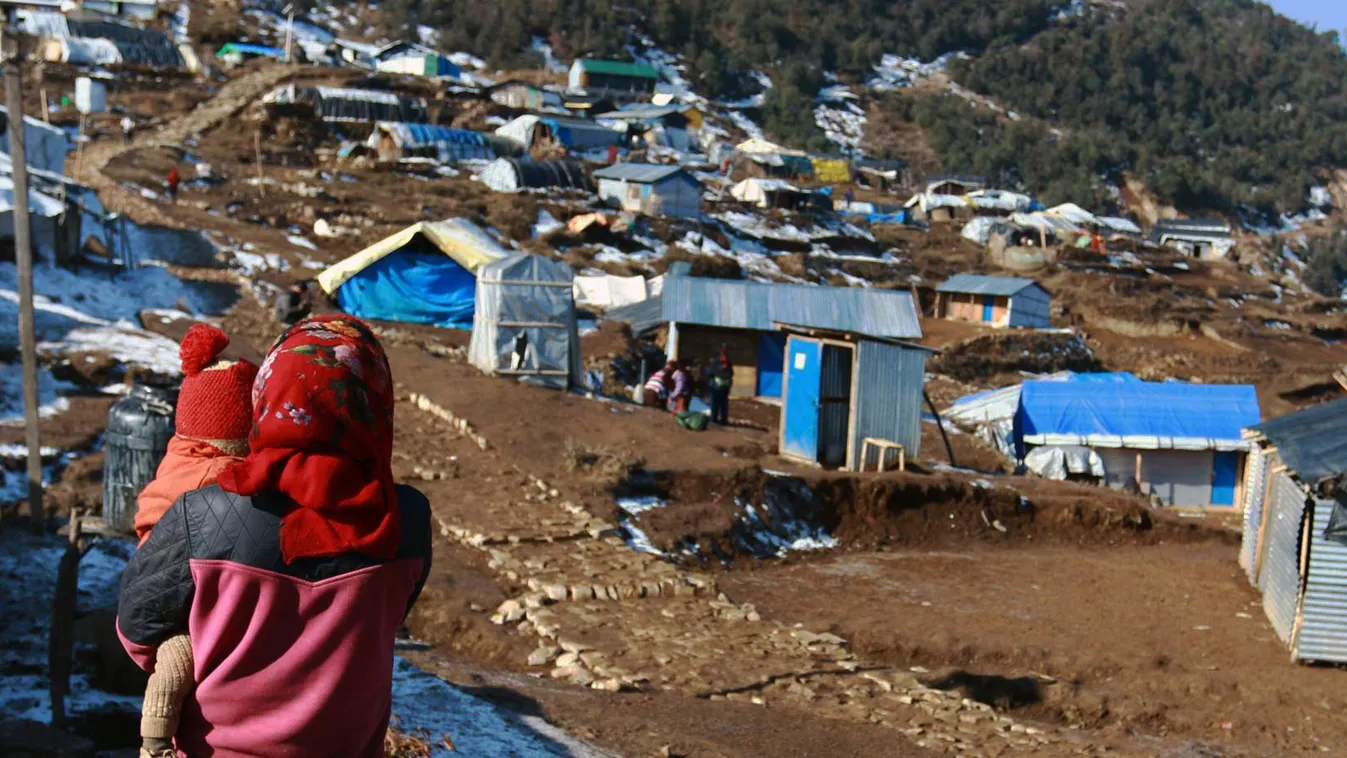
249, 49
1145, 415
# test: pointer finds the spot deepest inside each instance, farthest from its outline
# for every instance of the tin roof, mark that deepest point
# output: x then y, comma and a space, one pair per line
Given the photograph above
617, 68
1311, 442
982, 284
641, 173
760, 305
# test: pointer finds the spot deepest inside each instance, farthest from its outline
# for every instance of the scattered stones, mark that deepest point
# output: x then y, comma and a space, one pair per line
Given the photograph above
542, 655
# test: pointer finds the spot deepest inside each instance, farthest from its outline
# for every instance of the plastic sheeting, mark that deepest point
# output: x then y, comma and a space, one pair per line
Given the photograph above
449, 144
609, 291
524, 324
45, 145
1138, 415
1060, 461
346, 104
512, 174
418, 287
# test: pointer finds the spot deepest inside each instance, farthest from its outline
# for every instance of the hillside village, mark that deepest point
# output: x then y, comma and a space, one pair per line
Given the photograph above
1000, 476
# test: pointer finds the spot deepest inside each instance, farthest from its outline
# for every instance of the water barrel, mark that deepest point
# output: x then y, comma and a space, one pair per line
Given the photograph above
139, 427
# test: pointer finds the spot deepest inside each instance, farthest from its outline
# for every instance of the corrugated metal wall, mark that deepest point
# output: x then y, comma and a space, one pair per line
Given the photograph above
1279, 578
1322, 635
1031, 307
1255, 487
888, 397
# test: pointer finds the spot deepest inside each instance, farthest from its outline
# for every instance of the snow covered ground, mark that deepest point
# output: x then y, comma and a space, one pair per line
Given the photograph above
422, 703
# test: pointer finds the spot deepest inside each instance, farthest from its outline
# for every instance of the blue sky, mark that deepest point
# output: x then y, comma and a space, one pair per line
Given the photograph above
1330, 15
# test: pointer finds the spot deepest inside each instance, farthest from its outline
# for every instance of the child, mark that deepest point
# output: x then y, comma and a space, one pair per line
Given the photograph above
214, 416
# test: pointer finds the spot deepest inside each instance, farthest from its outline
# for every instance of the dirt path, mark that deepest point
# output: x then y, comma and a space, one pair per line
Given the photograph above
230, 100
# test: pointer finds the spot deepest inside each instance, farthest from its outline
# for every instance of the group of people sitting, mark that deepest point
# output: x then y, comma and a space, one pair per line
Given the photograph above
277, 558
671, 387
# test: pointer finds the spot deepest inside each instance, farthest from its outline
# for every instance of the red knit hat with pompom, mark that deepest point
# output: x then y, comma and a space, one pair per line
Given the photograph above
215, 402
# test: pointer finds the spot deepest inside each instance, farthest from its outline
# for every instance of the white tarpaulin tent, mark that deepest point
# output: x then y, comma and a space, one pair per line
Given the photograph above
524, 323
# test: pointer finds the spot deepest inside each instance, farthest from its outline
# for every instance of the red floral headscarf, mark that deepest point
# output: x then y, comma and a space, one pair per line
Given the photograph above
323, 436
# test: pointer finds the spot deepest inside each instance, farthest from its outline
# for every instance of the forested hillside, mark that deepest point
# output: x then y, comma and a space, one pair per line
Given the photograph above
1219, 105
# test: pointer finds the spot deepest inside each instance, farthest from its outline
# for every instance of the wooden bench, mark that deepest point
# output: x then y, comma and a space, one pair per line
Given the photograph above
884, 447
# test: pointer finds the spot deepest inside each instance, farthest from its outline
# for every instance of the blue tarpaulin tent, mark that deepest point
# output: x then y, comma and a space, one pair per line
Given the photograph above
1180, 443
424, 274
1146, 415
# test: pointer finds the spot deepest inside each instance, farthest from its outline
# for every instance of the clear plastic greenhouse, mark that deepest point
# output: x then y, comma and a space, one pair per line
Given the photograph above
524, 325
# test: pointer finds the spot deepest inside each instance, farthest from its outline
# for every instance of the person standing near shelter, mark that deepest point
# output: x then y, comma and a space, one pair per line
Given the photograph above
681, 397
295, 571
128, 129
656, 391
721, 380
173, 180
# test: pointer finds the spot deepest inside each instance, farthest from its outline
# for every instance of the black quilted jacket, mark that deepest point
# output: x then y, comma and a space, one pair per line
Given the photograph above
158, 586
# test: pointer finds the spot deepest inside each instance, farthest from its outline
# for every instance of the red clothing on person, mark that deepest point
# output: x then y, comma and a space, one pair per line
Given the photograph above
212, 419
189, 465
323, 437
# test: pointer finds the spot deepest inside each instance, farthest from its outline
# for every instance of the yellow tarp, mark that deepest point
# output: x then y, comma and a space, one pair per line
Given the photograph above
831, 171
458, 238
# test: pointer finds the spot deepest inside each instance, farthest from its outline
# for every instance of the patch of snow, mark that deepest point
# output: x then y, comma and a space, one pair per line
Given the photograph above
427, 704
467, 60
68, 299
49, 389
546, 224
550, 61
28, 564
299, 241
784, 535
123, 343
633, 506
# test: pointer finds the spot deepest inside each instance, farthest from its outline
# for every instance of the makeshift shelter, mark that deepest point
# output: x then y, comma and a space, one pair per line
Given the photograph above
773, 193
424, 274
675, 126
573, 134
842, 388
524, 325
346, 104
1180, 442
703, 314
238, 52
994, 300
97, 39
650, 189
414, 59
773, 160
524, 96
514, 174
395, 140
1294, 548
1200, 238
991, 414
613, 76
45, 146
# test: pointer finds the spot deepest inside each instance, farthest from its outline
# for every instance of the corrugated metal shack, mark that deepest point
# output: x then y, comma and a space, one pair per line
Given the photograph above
616, 77
513, 174
702, 314
842, 388
345, 104
994, 300
1299, 481
651, 189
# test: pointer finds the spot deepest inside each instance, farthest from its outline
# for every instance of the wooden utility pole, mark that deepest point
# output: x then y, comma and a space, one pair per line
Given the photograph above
23, 254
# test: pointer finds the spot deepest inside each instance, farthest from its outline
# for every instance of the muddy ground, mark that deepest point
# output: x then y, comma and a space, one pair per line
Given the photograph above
958, 614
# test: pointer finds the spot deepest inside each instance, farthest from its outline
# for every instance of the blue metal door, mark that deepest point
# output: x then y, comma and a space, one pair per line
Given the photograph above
988, 307
799, 437
1224, 472
771, 361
